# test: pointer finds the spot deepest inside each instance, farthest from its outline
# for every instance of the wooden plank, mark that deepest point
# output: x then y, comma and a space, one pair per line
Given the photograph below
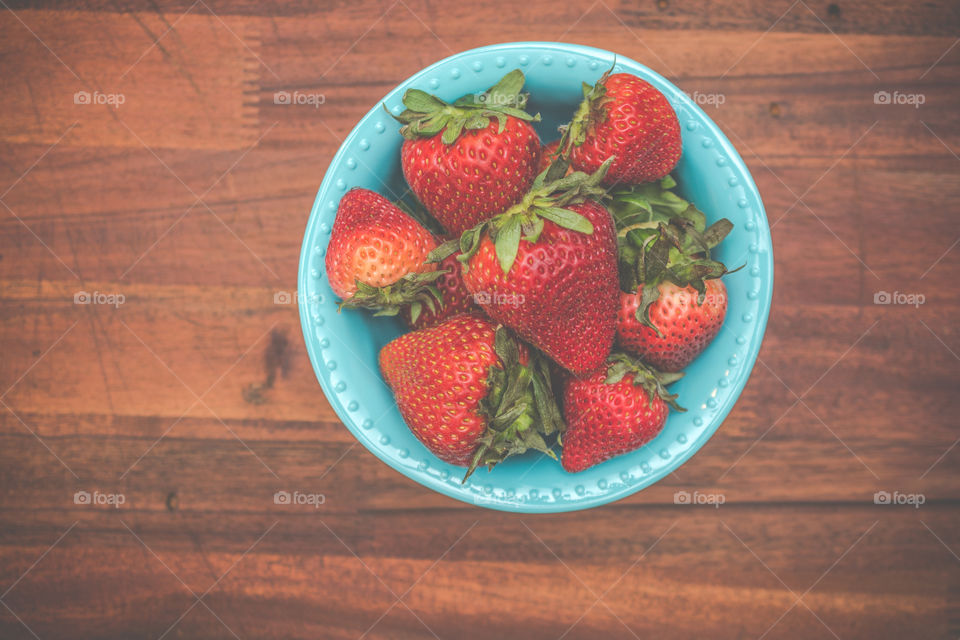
115, 80
286, 585
850, 16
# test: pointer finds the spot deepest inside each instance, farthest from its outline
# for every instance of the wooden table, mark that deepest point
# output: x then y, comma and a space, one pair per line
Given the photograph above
143, 155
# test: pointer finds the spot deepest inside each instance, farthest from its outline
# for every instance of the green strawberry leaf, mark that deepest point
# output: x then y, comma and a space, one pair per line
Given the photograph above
533, 229
507, 243
508, 86
557, 169
477, 122
567, 219
415, 309
653, 381
453, 131
426, 115
444, 251
648, 296
389, 300
617, 371
715, 234
432, 126
520, 406
662, 237
524, 220
421, 101
517, 113
470, 244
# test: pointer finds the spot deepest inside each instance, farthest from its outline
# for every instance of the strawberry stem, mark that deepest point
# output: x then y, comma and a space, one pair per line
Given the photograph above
653, 381
589, 113
663, 238
427, 115
415, 290
524, 220
520, 406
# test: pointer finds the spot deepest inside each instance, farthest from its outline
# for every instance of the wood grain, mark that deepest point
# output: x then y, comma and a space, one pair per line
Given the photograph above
195, 400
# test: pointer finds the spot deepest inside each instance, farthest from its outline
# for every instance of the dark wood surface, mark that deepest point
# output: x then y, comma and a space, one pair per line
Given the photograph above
195, 399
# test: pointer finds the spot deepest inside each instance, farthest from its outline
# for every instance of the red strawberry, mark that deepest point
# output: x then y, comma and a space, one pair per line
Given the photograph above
470, 392
613, 412
629, 118
686, 327
454, 298
472, 159
672, 302
376, 256
547, 268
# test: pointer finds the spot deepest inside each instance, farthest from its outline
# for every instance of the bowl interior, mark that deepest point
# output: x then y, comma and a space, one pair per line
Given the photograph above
343, 347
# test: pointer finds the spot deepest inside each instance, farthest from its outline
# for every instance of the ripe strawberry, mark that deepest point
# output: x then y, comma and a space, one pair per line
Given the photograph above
472, 159
470, 392
629, 118
686, 327
547, 268
672, 302
376, 256
614, 411
454, 298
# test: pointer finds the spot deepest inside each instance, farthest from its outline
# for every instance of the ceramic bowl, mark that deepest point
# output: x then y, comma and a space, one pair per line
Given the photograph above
343, 346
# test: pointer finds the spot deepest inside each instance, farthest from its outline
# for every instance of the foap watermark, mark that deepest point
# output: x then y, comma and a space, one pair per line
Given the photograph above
715, 100
299, 98
518, 101
99, 297
684, 297
114, 100
885, 297
99, 499
299, 498
912, 499
292, 297
897, 97
697, 497
500, 299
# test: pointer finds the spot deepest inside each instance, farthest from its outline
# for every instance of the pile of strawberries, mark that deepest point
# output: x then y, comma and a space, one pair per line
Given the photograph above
553, 291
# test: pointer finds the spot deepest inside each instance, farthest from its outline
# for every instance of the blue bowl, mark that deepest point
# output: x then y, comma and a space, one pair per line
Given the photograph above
343, 347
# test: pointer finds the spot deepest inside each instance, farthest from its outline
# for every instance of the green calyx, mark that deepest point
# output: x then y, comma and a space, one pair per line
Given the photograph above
414, 290
427, 115
654, 382
589, 113
546, 200
663, 238
520, 407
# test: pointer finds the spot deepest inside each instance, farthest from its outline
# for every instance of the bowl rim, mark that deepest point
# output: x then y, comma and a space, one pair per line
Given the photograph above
736, 388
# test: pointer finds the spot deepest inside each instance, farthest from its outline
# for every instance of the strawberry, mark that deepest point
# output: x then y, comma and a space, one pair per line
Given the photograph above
470, 392
547, 268
672, 302
686, 327
376, 254
472, 159
611, 413
629, 118
454, 298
